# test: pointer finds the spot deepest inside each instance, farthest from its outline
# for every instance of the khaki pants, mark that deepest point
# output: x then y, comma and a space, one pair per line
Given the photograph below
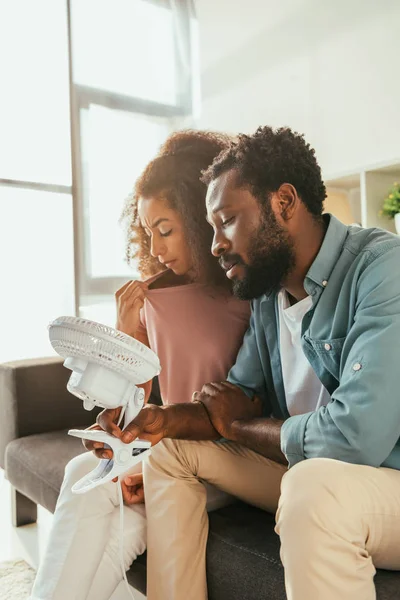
335, 520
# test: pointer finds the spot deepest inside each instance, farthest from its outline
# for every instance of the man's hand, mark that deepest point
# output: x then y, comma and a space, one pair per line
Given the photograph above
227, 403
189, 421
149, 424
239, 419
132, 489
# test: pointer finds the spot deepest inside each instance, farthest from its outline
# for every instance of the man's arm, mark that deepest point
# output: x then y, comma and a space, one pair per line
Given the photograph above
189, 421
247, 372
361, 422
259, 434
262, 436
238, 419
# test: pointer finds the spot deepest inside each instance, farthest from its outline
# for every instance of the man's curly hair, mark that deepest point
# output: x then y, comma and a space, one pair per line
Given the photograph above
267, 159
174, 175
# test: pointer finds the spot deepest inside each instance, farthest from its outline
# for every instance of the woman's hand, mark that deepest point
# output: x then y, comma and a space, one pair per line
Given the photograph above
105, 422
130, 300
132, 489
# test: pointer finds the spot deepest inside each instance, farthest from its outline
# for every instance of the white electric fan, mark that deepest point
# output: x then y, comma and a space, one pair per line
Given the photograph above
106, 366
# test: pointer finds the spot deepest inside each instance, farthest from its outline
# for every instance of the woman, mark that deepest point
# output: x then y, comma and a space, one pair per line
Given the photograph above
186, 313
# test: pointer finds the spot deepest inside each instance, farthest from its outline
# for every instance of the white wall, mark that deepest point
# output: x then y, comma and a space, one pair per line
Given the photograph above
327, 68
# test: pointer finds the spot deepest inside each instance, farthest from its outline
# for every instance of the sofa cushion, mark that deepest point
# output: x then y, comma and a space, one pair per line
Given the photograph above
35, 464
243, 555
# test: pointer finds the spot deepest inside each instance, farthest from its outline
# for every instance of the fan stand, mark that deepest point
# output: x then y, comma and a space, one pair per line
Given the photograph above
125, 456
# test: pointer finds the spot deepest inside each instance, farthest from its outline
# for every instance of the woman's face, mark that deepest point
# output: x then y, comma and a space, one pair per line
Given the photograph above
165, 228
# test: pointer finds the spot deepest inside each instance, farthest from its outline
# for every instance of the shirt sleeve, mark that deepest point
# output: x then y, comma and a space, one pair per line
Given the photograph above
247, 372
361, 422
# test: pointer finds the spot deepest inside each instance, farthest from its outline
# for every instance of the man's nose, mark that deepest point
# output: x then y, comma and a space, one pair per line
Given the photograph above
219, 245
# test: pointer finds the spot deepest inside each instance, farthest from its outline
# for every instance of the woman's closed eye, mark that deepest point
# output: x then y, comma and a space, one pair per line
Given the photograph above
166, 233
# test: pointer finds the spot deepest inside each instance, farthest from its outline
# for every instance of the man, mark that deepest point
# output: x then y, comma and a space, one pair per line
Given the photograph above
313, 396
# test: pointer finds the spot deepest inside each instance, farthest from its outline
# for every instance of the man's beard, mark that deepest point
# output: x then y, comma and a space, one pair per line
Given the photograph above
271, 257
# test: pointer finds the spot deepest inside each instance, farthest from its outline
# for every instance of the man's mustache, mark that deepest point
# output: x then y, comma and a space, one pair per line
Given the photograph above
228, 260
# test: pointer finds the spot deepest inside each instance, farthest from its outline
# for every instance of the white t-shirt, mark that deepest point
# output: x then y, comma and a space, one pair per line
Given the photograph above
304, 391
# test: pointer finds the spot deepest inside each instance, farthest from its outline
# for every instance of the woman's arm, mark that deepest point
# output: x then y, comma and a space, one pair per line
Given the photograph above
141, 336
130, 300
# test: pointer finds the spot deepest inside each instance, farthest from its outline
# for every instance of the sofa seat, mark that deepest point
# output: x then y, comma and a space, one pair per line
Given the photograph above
35, 464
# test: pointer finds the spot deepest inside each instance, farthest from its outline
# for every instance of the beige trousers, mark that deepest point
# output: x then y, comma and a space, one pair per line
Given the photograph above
336, 521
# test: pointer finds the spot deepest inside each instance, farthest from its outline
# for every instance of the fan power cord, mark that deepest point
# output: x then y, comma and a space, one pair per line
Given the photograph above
121, 522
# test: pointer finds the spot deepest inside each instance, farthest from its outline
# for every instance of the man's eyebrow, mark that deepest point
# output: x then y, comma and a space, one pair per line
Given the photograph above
158, 221
217, 210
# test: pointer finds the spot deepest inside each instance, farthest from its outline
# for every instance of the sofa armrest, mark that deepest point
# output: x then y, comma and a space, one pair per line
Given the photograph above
34, 399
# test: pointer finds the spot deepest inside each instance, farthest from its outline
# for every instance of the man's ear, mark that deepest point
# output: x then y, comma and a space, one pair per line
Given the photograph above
287, 200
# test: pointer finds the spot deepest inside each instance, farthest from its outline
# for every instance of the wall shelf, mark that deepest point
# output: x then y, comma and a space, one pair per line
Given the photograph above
357, 197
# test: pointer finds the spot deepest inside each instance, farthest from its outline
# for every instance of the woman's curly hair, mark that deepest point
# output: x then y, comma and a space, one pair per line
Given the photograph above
174, 175
270, 157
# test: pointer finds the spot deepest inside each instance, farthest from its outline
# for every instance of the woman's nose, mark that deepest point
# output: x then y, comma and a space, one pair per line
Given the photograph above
157, 247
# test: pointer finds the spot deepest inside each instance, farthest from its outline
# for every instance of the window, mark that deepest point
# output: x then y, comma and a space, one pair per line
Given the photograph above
36, 250
111, 169
131, 50
34, 103
132, 86
103, 82
36, 230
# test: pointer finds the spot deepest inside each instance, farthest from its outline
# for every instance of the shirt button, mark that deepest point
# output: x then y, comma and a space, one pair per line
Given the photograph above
324, 283
327, 347
356, 367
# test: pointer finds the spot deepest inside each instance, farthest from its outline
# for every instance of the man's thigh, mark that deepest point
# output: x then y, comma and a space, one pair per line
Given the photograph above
233, 469
374, 496
379, 493
355, 502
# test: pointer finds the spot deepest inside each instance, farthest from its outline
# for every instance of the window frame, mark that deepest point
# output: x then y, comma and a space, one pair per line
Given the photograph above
81, 97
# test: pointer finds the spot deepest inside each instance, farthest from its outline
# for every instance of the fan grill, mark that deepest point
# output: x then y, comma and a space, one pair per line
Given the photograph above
80, 338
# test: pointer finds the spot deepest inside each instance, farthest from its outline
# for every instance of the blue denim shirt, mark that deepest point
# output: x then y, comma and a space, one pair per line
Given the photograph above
351, 337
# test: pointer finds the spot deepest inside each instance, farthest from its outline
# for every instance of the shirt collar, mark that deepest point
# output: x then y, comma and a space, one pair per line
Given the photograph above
329, 252
326, 259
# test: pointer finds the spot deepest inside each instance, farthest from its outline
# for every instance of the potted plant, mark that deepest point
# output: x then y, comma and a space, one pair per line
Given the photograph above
391, 205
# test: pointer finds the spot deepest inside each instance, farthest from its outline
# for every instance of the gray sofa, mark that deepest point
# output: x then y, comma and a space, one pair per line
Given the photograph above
35, 412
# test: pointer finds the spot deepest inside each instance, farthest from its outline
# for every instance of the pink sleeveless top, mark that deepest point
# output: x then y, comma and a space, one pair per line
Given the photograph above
196, 333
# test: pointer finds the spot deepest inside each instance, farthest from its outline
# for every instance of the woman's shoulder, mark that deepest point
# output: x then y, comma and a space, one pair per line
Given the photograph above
230, 303
164, 279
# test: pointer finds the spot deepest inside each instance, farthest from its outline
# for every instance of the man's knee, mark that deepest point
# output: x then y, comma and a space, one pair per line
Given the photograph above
162, 458
313, 491
311, 473
172, 458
